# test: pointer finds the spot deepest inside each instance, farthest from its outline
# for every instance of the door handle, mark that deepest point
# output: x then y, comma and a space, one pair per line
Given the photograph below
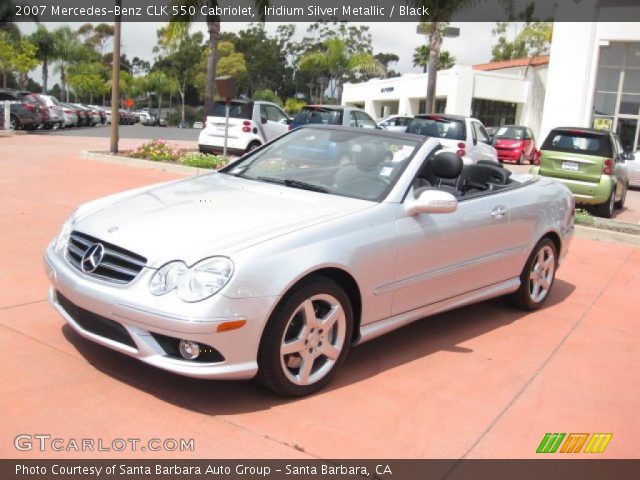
499, 212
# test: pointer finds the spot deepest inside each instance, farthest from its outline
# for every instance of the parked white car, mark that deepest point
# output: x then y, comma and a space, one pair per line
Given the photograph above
56, 115
145, 117
198, 125
465, 136
395, 123
633, 165
70, 116
251, 124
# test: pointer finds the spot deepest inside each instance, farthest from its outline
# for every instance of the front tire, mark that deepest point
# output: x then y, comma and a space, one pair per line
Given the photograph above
537, 277
306, 339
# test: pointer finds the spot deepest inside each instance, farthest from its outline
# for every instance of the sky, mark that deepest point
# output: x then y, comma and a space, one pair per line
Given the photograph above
471, 47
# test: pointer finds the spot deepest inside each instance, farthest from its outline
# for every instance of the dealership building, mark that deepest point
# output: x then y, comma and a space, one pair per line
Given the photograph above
590, 78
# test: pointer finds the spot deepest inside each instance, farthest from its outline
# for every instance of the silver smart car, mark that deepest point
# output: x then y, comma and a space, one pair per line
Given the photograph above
321, 239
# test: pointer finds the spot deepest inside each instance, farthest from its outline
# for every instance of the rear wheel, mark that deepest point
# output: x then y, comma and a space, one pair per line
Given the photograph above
537, 276
14, 123
306, 339
606, 209
623, 198
253, 145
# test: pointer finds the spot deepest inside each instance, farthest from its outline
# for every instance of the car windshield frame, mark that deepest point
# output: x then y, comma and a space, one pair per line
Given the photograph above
338, 113
239, 167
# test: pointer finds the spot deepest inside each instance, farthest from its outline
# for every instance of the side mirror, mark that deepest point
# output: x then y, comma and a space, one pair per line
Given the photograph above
263, 120
430, 200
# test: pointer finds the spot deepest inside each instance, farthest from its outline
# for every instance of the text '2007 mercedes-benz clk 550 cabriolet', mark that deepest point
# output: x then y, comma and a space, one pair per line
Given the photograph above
322, 239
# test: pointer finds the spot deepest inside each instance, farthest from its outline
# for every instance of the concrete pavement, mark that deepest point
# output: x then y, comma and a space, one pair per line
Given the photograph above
485, 381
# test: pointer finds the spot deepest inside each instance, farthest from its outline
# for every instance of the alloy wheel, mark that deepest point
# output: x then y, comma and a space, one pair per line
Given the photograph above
541, 274
313, 339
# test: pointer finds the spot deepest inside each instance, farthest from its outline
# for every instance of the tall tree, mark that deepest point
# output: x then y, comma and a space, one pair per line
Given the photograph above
213, 31
68, 49
17, 56
44, 40
421, 57
335, 61
440, 13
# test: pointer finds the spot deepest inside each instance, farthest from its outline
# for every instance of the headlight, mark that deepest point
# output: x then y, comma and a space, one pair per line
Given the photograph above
166, 278
193, 284
65, 232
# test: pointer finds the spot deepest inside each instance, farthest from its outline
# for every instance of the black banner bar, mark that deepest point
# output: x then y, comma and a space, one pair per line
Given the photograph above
288, 11
546, 469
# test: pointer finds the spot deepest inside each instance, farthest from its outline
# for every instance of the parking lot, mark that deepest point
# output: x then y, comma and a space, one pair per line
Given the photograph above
485, 381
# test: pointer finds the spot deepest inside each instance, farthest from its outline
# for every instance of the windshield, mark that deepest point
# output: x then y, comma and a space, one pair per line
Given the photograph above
510, 133
337, 162
321, 116
438, 127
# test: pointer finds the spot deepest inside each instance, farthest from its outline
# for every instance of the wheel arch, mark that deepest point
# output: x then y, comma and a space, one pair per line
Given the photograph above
557, 241
345, 280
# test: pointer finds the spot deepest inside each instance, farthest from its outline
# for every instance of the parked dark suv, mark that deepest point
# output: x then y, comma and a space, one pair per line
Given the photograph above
25, 111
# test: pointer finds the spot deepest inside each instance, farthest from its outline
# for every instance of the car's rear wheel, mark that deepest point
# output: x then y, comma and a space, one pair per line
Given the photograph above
252, 146
606, 209
306, 339
14, 123
537, 276
623, 197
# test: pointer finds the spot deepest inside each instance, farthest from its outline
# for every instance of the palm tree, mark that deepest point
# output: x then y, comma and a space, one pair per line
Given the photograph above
44, 40
440, 14
421, 57
336, 62
213, 30
67, 48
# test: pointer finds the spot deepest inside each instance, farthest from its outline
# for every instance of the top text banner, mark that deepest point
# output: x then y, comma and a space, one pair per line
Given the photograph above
287, 11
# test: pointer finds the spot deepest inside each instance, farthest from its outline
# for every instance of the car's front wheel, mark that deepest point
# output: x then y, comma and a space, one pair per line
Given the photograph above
306, 339
537, 276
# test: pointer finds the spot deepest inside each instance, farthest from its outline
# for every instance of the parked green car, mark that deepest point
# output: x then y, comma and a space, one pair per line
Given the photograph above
591, 163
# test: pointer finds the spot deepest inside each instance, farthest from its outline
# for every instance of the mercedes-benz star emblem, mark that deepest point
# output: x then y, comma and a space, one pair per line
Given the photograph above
92, 258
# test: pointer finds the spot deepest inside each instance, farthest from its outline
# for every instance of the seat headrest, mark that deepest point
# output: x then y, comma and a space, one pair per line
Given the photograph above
369, 157
447, 165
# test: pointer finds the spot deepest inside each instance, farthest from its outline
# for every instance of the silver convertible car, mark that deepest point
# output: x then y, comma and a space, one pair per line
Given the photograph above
322, 239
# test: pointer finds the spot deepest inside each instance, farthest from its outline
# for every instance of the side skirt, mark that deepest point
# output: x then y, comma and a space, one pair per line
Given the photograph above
373, 330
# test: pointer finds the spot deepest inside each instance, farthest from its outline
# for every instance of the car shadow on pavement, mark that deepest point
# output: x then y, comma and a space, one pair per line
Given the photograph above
442, 332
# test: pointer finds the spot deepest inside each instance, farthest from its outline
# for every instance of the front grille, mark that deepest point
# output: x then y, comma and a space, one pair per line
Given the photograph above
118, 265
91, 322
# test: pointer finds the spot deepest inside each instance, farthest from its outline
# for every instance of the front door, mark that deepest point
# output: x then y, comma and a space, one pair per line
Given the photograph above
448, 254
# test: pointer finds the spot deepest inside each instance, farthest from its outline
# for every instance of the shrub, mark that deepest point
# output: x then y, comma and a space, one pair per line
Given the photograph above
202, 160
268, 96
156, 150
583, 217
293, 106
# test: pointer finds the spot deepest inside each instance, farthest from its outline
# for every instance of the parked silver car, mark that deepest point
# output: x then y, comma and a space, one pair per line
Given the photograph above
322, 239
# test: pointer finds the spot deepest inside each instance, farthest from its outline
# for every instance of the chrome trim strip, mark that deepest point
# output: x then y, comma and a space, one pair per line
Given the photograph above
399, 284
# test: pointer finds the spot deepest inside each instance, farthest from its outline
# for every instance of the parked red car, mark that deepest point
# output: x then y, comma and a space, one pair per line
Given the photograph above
514, 144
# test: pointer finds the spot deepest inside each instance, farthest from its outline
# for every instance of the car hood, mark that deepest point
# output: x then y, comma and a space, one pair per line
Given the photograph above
214, 214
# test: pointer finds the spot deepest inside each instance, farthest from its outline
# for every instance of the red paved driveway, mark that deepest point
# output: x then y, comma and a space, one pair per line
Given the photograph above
482, 381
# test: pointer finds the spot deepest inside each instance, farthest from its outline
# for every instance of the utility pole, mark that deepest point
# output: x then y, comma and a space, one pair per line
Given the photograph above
115, 83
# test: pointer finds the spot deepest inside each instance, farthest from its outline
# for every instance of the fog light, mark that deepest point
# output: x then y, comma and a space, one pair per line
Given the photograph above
189, 350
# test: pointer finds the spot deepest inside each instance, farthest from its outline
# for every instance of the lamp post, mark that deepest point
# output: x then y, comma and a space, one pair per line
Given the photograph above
115, 84
435, 33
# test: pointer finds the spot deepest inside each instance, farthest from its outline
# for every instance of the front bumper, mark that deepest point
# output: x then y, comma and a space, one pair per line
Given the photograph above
145, 317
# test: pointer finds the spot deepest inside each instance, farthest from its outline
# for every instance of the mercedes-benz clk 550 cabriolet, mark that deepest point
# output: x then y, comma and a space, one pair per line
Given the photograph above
327, 237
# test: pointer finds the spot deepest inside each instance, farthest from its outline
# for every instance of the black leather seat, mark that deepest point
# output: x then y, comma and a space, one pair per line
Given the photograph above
442, 171
481, 177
